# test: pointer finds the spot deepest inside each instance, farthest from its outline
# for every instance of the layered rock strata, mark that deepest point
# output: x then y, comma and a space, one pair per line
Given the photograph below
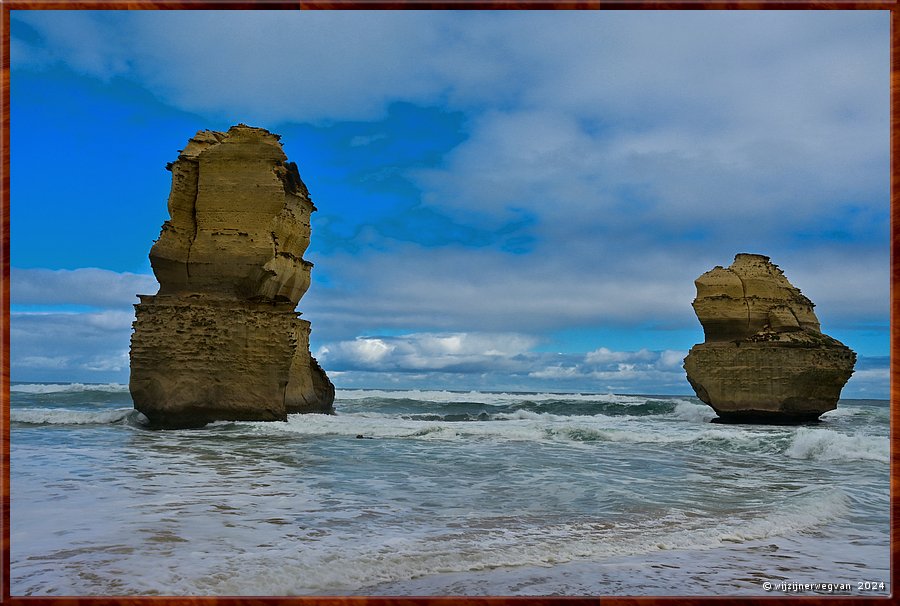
764, 358
221, 339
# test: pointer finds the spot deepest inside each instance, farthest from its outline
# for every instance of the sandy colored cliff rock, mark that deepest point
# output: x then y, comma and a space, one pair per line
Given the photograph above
764, 358
221, 339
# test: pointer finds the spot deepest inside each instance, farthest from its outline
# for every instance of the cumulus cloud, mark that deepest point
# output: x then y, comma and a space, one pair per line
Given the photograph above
719, 68
621, 370
446, 289
671, 359
494, 361
43, 362
871, 378
605, 356
88, 286
663, 185
93, 347
70, 346
490, 291
501, 360
291, 65
456, 352
555, 372
88, 41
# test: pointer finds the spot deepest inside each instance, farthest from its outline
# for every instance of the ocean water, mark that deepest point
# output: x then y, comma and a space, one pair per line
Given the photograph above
446, 493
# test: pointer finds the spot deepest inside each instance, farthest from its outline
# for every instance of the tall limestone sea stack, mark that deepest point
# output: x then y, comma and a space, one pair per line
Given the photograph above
764, 359
221, 339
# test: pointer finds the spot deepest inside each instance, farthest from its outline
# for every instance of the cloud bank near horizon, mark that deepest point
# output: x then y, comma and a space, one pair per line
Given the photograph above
91, 344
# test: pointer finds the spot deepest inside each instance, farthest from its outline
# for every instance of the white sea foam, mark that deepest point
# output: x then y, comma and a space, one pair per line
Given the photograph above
527, 426
698, 413
56, 416
488, 544
67, 387
797, 443
830, 445
377, 427
529, 415
840, 412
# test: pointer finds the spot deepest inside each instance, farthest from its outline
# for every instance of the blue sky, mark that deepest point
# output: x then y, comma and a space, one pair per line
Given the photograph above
507, 200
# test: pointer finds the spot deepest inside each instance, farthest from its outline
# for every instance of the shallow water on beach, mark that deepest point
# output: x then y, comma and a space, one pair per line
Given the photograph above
446, 493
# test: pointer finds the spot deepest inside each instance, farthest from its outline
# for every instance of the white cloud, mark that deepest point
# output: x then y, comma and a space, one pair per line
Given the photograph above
263, 65
88, 41
489, 291
309, 65
672, 359
50, 346
468, 358
740, 185
449, 289
366, 351
869, 382
606, 356
110, 320
463, 352
86, 286
94, 347
512, 365
116, 362
873, 374
556, 372
43, 362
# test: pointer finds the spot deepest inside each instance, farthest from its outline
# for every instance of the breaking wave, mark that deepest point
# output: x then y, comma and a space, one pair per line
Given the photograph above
793, 442
42, 388
56, 416
828, 445
697, 413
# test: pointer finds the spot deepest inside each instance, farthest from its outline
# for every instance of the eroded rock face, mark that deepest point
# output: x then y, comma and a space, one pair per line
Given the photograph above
764, 358
221, 339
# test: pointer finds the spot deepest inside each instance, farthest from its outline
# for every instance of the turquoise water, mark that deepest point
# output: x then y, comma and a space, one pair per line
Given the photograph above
444, 493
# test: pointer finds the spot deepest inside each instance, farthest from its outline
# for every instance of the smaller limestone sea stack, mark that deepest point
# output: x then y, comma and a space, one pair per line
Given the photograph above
221, 339
764, 359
